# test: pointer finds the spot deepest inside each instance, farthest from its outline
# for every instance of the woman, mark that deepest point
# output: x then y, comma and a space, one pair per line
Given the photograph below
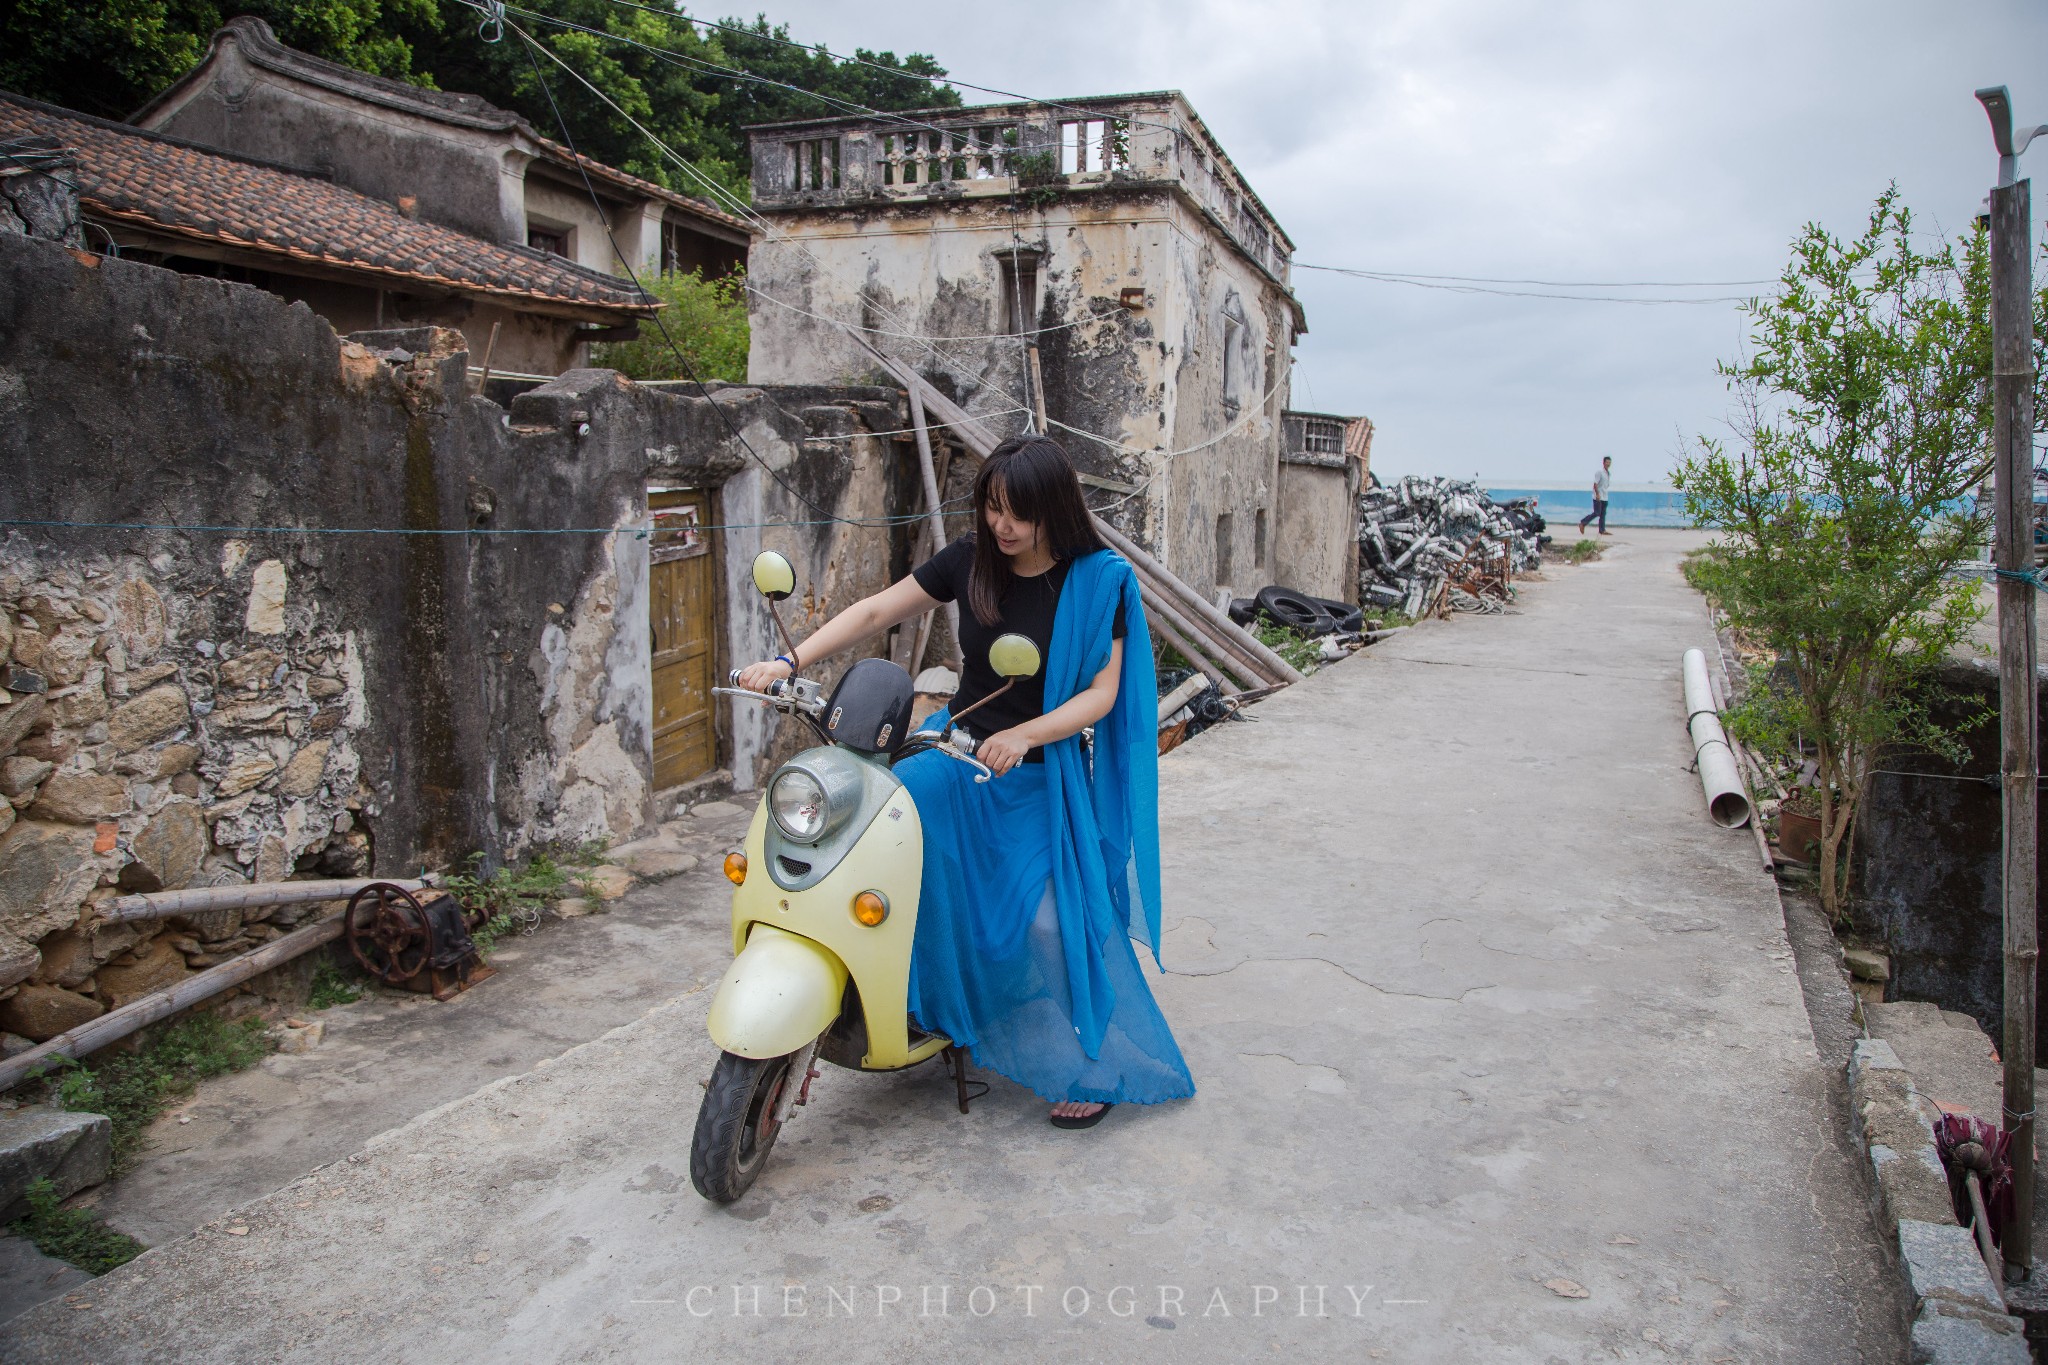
1035, 883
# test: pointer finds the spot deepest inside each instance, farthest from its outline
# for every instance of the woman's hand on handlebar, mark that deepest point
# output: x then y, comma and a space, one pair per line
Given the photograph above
756, 677
1003, 750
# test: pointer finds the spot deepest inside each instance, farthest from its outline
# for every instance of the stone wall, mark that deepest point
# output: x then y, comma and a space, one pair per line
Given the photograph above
276, 603
1924, 868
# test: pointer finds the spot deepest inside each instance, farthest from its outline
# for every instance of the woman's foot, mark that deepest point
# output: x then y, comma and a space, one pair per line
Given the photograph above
1078, 1113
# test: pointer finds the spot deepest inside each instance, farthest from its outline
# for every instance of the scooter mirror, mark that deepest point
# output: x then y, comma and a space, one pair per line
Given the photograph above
773, 576
1014, 656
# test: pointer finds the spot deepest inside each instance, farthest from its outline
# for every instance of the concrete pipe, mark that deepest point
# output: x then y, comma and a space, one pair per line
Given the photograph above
1726, 800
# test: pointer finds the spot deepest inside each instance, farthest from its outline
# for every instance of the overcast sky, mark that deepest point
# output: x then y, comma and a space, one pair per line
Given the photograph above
1571, 140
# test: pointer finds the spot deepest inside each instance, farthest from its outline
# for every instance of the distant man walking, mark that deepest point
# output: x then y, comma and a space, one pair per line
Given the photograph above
1600, 482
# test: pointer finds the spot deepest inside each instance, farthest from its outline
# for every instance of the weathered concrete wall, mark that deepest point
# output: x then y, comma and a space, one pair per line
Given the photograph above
1316, 549
195, 693
1925, 868
1162, 313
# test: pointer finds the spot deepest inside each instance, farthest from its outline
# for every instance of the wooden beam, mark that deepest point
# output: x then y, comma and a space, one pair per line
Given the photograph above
117, 1024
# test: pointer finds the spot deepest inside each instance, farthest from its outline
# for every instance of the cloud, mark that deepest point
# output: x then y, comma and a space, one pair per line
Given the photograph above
1570, 141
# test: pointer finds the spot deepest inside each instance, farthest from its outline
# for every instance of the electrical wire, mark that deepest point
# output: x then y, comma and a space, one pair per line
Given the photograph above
1554, 284
681, 359
745, 211
882, 66
1419, 283
639, 530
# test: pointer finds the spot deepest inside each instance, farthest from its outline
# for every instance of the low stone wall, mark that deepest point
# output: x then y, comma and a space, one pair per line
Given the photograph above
168, 729
1959, 1311
1925, 864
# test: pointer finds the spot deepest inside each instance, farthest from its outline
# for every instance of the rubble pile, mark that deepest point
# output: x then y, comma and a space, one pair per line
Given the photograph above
1432, 545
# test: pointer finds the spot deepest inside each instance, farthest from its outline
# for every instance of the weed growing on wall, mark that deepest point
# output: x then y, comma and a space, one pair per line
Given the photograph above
132, 1089
707, 321
76, 1236
1300, 651
513, 896
333, 985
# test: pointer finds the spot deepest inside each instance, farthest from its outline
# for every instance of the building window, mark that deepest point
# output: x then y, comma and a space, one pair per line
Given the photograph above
1091, 145
1019, 273
1225, 525
554, 241
1322, 438
1237, 348
814, 164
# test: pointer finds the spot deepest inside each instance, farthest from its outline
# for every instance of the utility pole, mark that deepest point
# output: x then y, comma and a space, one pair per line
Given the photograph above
2012, 440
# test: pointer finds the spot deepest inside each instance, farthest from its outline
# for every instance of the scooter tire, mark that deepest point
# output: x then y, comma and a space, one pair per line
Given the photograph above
735, 1125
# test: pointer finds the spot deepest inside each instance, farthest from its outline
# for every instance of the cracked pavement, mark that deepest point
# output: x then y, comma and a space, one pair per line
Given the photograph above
1500, 1050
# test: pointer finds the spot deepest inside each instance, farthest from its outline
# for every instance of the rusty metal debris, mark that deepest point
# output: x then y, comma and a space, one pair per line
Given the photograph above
414, 944
1431, 546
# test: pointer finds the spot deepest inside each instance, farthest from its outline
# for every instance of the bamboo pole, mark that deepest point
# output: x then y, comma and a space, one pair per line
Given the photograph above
1202, 663
1205, 610
935, 523
977, 439
1167, 613
2012, 444
117, 1024
1038, 390
241, 896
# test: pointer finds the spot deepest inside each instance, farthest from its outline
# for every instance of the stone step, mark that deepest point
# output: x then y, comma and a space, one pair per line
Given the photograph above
73, 1151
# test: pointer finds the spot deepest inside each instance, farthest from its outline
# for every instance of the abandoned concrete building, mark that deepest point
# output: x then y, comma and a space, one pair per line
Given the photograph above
508, 203
1101, 257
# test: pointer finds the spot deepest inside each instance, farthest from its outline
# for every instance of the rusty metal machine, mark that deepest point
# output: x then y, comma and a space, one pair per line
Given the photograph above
415, 942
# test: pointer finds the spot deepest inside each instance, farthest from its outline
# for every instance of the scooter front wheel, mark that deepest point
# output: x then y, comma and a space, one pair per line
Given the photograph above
736, 1125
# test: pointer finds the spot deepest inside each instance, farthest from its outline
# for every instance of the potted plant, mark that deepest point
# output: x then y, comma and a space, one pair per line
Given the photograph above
1799, 828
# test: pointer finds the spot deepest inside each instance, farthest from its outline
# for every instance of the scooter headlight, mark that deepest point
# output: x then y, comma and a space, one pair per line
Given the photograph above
797, 801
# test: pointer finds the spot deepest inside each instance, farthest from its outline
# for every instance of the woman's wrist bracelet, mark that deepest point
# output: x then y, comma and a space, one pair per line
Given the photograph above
785, 659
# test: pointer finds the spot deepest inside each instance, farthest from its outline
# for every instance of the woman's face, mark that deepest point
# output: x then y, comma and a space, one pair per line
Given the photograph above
1013, 534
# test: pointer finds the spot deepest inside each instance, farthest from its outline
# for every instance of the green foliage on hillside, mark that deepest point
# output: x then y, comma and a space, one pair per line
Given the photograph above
109, 57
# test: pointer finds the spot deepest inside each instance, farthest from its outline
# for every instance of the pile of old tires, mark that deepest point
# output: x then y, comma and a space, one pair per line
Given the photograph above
1301, 612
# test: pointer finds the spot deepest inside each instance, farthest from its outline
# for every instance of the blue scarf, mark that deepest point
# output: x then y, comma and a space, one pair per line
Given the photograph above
1105, 814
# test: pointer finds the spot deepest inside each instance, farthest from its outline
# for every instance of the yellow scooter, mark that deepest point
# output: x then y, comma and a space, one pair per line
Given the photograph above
824, 907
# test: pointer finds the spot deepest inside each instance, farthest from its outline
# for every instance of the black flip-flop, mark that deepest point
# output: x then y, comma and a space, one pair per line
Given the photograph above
1062, 1121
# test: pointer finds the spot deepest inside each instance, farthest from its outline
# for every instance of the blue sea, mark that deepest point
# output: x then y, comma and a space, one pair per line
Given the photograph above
1625, 506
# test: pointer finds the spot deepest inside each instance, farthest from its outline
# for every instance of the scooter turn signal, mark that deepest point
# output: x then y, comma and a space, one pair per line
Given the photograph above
736, 868
870, 908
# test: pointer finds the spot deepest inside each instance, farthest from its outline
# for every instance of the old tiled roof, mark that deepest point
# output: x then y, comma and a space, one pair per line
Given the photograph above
129, 176
260, 45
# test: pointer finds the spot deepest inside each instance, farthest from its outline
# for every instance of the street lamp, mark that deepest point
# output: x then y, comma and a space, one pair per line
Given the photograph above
1998, 104
2012, 447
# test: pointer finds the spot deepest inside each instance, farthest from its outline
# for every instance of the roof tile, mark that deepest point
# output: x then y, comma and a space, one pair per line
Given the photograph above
128, 175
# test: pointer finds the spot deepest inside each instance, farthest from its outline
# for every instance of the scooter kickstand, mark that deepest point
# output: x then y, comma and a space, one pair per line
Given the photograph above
956, 1062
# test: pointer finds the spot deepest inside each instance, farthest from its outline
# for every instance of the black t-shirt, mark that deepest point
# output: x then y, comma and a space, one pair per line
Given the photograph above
1028, 609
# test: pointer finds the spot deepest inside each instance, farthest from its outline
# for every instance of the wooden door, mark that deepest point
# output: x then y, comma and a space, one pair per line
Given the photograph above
682, 595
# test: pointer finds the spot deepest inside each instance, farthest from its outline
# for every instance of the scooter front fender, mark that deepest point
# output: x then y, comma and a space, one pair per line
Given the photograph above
782, 991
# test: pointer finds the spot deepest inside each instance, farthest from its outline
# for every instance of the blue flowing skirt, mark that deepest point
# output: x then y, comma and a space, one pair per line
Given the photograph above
988, 969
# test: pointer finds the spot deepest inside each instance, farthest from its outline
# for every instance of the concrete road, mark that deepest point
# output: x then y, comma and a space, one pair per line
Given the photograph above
1501, 1058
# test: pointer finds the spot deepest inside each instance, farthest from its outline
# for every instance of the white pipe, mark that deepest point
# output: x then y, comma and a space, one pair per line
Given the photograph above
1726, 800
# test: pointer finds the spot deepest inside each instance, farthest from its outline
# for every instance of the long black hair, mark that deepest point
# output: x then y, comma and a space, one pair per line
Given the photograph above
1032, 477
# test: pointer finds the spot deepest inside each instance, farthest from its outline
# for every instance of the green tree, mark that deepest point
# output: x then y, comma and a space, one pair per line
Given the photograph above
109, 57
1862, 420
707, 320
